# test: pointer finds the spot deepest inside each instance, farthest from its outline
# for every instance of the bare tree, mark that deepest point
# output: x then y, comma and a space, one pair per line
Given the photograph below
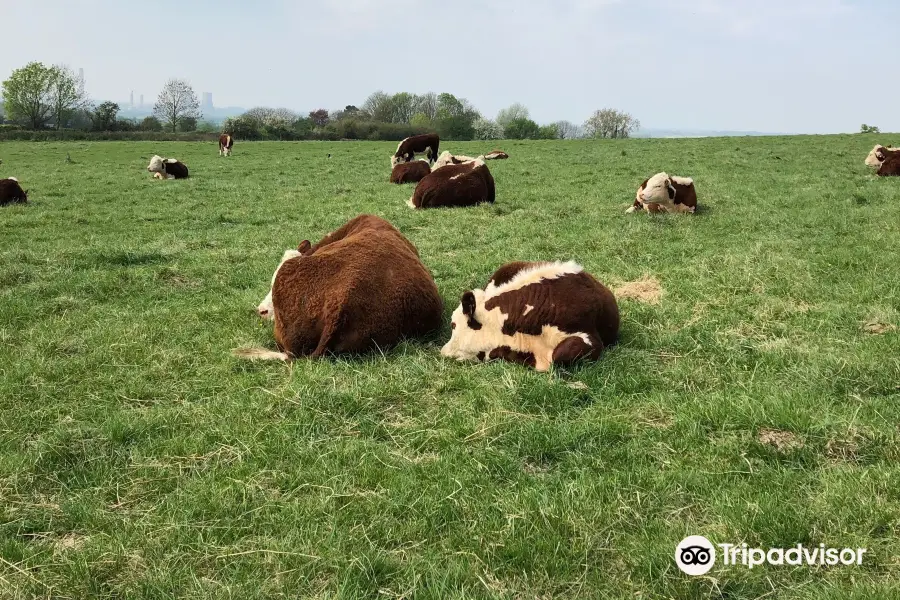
427, 104
176, 102
512, 113
319, 117
567, 130
611, 123
379, 107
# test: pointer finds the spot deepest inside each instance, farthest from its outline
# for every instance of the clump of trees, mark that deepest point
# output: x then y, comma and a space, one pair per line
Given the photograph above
610, 123
869, 129
40, 96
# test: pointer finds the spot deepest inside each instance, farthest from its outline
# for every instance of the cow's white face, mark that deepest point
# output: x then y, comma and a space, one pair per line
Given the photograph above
659, 189
474, 330
266, 309
876, 156
156, 165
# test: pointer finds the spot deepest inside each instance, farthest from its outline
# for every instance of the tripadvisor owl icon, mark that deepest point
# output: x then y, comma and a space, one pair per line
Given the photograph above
695, 555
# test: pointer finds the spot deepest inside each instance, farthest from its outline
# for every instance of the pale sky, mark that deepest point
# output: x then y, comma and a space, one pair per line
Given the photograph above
795, 66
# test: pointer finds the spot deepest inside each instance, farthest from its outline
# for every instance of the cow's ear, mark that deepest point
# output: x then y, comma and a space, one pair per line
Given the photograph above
468, 304
304, 247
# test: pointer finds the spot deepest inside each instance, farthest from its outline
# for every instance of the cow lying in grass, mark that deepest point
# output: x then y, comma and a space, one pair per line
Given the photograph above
167, 168
496, 155
466, 184
665, 193
890, 166
362, 287
452, 159
535, 314
879, 154
11, 192
410, 172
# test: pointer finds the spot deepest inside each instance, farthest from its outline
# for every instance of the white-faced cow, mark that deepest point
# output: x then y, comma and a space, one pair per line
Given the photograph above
406, 150
496, 155
665, 193
226, 143
466, 184
167, 168
361, 288
536, 314
11, 192
410, 172
452, 159
879, 154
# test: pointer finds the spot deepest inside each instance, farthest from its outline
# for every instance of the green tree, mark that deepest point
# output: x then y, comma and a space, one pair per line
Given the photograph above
420, 120
188, 124
104, 116
549, 132
522, 129
511, 113
176, 101
403, 105
150, 123
869, 129
66, 94
28, 95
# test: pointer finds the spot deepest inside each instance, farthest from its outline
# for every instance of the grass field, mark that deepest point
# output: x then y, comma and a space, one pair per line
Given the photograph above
757, 402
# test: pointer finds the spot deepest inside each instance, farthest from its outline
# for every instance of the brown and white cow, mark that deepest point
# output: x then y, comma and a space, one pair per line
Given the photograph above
665, 193
167, 168
536, 314
406, 149
11, 192
496, 155
446, 158
890, 166
466, 184
226, 143
879, 153
410, 172
362, 287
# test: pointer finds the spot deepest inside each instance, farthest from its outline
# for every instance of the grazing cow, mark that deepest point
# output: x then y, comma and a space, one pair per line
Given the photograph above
410, 172
536, 314
496, 155
451, 159
664, 193
167, 168
11, 192
226, 143
468, 184
890, 166
879, 153
362, 287
406, 150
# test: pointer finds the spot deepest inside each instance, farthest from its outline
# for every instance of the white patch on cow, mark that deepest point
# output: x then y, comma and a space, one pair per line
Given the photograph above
631, 209
682, 180
266, 309
871, 159
534, 274
409, 202
171, 161
657, 191
13, 179
528, 309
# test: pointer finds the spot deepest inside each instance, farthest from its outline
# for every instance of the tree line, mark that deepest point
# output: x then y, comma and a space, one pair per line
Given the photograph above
39, 97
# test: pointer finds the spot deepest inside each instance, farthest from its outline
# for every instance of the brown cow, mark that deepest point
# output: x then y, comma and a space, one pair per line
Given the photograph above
167, 168
452, 159
406, 149
226, 143
536, 314
664, 193
879, 153
496, 155
890, 166
410, 172
11, 192
466, 184
361, 288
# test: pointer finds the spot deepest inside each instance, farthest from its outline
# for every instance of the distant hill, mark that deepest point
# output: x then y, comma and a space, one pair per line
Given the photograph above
697, 133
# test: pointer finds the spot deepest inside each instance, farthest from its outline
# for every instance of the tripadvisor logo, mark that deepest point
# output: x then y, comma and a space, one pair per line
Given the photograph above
696, 555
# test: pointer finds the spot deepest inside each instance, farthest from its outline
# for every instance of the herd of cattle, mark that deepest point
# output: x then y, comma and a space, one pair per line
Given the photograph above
364, 287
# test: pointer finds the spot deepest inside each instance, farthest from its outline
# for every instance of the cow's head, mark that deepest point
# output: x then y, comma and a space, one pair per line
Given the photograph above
157, 165
659, 190
876, 156
266, 309
474, 330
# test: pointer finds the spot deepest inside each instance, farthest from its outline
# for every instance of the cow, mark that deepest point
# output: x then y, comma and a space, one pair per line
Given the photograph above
451, 159
665, 193
167, 168
406, 149
226, 143
536, 314
363, 287
410, 172
496, 155
879, 153
11, 192
890, 166
467, 184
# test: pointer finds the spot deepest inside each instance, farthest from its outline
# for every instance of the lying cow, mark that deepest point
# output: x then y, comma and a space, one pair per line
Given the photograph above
496, 155
406, 150
167, 168
226, 143
536, 314
664, 193
410, 172
11, 192
890, 166
879, 153
362, 287
466, 184
452, 159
